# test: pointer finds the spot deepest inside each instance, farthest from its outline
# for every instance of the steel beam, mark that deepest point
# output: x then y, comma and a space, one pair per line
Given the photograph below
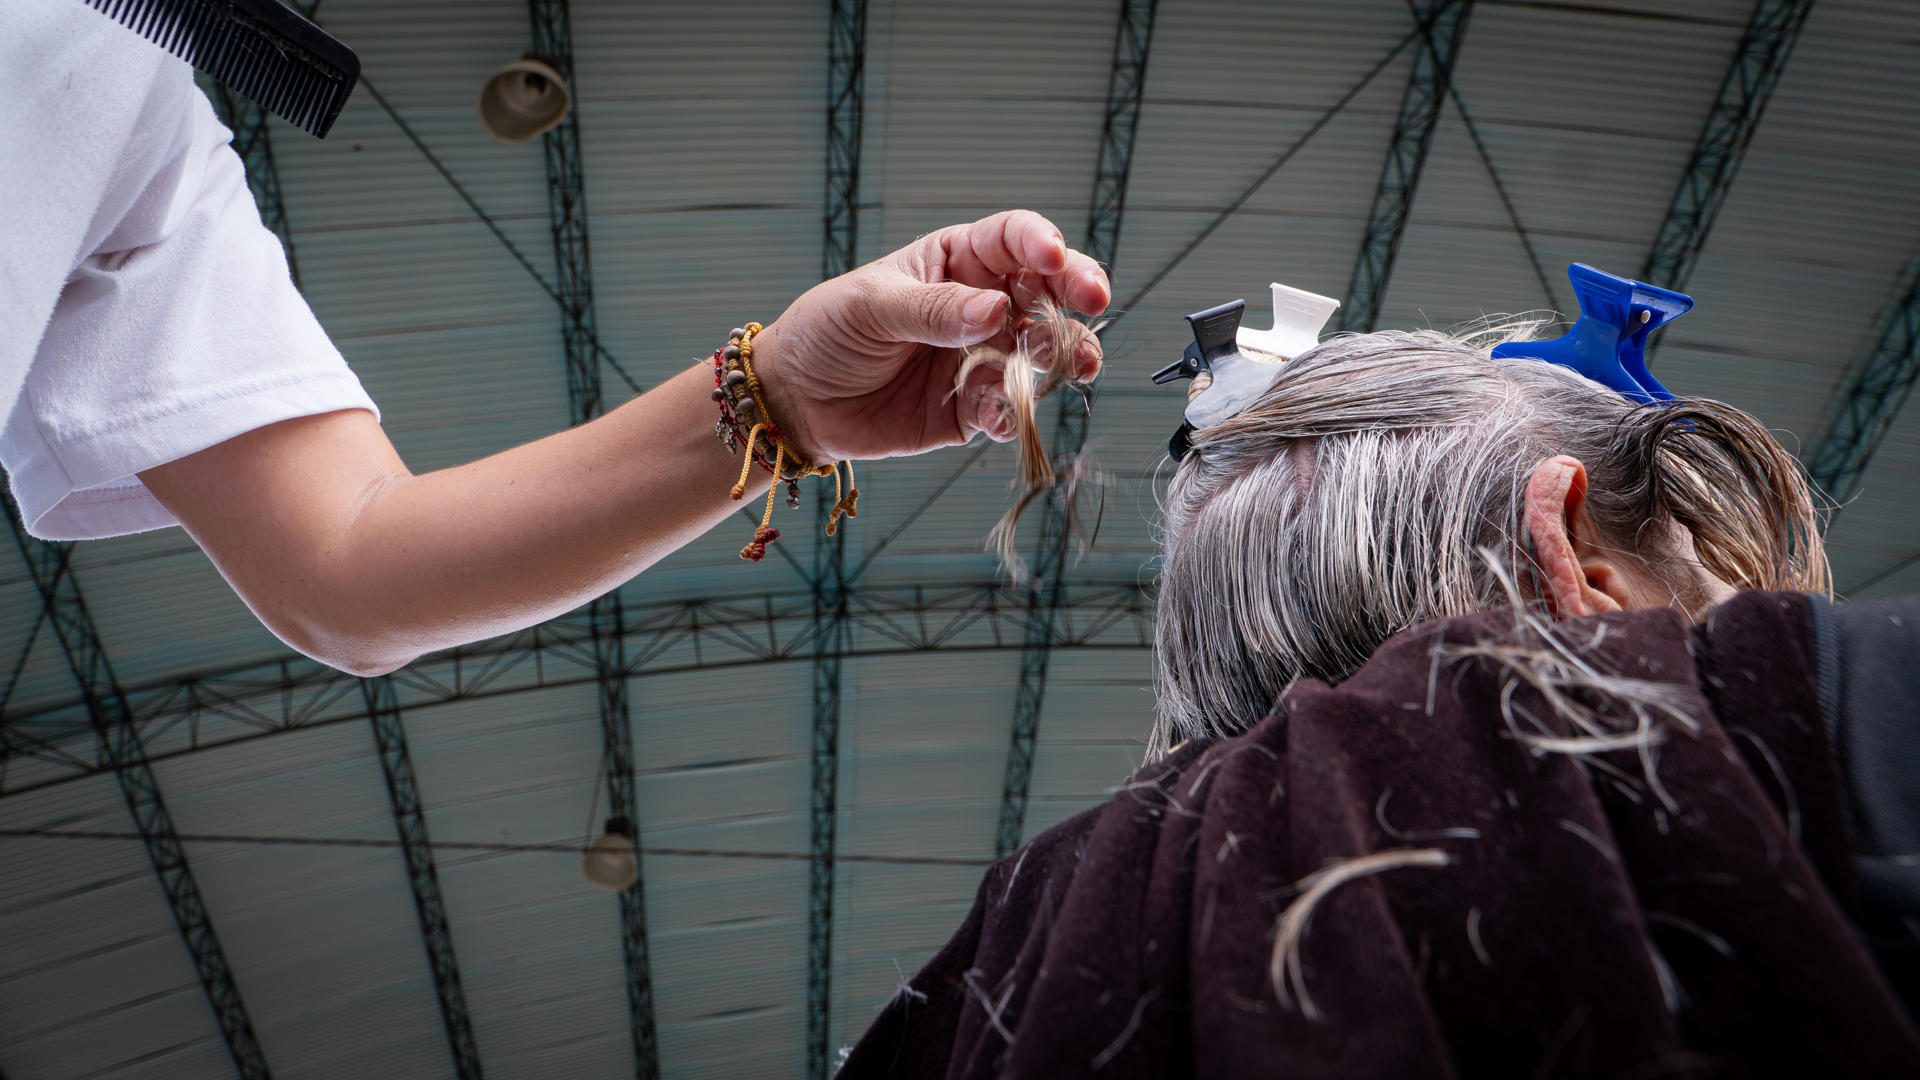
46, 744
1758, 61
1443, 25
1132, 303
846, 99
567, 217
605, 617
616, 733
409, 818
26, 651
830, 619
118, 747
1125, 81
1880, 575
1869, 397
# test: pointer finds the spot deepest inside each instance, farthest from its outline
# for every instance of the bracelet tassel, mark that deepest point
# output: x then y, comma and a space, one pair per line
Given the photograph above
737, 389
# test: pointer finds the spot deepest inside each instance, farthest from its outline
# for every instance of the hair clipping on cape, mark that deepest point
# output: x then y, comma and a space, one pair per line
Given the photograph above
1609, 342
1227, 380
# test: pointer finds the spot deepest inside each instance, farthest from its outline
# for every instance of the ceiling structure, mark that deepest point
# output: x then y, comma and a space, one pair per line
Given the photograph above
271, 868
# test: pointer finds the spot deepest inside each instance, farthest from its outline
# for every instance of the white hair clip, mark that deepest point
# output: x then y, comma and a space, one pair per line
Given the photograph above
1227, 380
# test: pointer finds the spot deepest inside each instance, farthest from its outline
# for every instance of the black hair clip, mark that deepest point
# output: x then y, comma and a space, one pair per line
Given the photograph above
1227, 380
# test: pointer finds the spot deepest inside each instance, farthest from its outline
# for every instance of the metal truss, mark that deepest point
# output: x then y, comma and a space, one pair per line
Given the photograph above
46, 745
117, 747
846, 99
605, 617
830, 631
1443, 24
1757, 64
411, 822
1872, 394
567, 215
1125, 80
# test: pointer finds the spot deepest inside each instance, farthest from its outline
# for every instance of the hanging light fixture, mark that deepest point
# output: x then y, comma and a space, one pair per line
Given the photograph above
611, 862
523, 99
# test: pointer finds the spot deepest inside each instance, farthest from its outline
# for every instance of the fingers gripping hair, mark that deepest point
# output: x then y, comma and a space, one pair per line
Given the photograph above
1052, 340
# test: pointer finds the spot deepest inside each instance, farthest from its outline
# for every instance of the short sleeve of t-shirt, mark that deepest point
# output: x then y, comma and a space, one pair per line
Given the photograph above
181, 329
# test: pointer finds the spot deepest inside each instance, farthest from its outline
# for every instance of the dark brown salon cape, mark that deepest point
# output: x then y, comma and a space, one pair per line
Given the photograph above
1579, 928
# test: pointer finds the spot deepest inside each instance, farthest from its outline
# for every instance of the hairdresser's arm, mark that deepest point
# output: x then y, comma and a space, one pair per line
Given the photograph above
352, 559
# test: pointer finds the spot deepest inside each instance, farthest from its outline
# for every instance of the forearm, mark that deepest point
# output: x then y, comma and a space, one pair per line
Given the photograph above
374, 566
349, 557
519, 537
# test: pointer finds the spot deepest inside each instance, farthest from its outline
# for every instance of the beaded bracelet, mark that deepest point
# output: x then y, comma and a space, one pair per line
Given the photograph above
742, 408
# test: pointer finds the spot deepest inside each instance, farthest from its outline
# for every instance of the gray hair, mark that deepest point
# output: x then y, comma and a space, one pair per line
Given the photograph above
1352, 500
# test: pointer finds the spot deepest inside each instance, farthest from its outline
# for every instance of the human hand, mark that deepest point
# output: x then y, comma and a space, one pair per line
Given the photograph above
863, 366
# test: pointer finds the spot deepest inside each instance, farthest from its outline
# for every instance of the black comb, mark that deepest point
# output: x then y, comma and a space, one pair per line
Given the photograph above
260, 49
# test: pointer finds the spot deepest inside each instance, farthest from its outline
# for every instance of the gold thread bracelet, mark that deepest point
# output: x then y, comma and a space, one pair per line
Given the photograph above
738, 391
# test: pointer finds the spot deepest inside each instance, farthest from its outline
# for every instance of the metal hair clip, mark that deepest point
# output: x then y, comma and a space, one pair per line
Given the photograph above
1608, 345
1226, 380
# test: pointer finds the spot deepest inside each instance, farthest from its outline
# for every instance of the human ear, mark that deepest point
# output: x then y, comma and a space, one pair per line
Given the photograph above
1581, 578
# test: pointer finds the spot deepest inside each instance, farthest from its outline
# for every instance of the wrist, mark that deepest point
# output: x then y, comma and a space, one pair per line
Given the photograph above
780, 386
748, 416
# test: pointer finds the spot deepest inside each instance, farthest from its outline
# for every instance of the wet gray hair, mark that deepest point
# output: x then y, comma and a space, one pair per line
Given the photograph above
1354, 498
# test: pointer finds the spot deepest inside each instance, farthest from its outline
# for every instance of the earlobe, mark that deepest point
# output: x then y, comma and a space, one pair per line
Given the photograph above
1578, 579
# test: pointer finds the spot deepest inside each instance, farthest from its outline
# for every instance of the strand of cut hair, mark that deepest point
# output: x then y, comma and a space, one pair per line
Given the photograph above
1021, 388
1284, 968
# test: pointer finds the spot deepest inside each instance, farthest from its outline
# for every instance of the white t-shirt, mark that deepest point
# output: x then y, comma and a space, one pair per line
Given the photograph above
145, 311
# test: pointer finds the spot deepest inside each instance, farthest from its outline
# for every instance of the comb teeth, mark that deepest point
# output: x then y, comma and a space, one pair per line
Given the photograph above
260, 49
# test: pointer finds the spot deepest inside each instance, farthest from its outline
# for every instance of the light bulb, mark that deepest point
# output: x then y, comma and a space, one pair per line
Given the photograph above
611, 862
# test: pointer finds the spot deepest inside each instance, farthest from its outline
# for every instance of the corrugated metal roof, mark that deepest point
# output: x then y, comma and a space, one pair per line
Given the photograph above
91, 951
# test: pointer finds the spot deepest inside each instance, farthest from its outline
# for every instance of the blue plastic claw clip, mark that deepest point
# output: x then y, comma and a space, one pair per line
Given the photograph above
1609, 342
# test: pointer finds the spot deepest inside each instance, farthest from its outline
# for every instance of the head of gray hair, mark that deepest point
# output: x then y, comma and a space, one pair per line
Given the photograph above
1353, 499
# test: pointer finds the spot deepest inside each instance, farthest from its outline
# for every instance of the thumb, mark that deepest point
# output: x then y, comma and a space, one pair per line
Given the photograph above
946, 315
